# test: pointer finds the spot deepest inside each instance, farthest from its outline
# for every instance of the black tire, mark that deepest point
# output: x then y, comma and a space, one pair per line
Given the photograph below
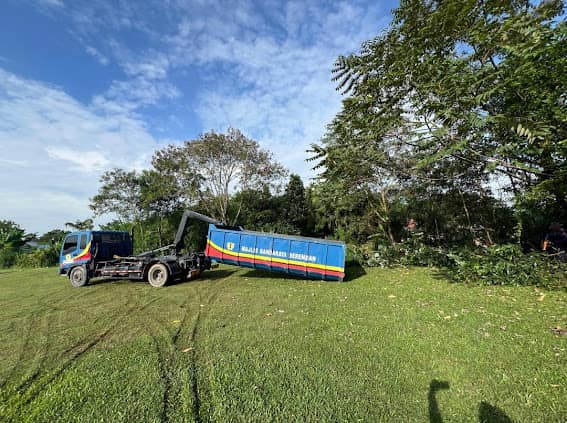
79, 276
158, 275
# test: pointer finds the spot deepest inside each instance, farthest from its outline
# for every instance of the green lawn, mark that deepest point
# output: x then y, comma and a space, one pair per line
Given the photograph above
238, 345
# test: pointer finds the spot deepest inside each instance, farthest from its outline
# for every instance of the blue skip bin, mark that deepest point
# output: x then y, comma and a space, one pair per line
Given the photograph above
308, 257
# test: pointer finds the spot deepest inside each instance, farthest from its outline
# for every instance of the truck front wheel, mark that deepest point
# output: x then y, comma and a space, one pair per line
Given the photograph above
79, 276
158, 275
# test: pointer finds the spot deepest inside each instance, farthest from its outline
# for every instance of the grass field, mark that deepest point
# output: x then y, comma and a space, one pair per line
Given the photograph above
391, 345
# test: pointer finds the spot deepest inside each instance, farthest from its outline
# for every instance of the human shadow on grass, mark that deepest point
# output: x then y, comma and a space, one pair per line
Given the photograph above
487, 413
434, 413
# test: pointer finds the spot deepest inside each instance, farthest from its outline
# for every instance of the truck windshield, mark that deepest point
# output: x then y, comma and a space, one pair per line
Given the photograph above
70, 244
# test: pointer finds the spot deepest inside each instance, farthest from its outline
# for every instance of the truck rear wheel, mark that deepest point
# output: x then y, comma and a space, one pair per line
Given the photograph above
79, 276
158, 275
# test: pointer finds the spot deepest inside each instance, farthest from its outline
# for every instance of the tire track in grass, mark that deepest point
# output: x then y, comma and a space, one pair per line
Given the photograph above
193, 368
168, 355
32, 323
167, 363
156, 332
45, 330
32, 387
193, 371
41, 317
166, 351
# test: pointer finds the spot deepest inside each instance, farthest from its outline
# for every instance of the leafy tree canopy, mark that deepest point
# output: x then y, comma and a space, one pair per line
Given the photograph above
452, 95
217, 165
11, 235
81, 225
477, 83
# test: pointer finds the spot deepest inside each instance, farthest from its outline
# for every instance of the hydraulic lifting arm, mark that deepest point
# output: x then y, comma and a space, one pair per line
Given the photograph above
178, 243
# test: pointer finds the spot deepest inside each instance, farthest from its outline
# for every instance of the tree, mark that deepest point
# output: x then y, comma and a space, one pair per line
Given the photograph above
159, 197
11, 235
81, 225
119, 193
295, 204
53, 236
218, 165
12, 239
452, 94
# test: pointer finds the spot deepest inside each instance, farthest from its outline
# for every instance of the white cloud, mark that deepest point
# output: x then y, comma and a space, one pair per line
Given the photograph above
19, 163
40, 211
263, 69
84, 161
52, 3
276, 89
53, 150
100, 58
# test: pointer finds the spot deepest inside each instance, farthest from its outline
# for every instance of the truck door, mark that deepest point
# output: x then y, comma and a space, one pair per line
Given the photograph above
70, 247
74, 246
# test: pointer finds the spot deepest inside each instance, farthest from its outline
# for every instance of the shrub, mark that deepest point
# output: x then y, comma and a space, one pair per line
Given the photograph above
407, 253
497, 265
38, 258
7, 258
508, 265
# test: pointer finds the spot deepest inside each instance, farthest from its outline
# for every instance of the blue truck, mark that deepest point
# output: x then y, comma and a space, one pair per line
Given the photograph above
90, 254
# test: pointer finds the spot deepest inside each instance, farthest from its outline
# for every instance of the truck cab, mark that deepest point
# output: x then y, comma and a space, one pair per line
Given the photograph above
86, 248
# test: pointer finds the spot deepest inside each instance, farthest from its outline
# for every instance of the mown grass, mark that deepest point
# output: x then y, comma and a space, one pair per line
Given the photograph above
238, 345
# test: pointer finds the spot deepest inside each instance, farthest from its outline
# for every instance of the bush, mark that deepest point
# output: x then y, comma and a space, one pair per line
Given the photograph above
407, 253
7, 258
508, 265
38, 258
498, 265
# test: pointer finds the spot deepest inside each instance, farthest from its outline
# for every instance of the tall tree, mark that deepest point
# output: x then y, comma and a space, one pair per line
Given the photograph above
81, 225
53, 236
295, 204
455, 92
220, 164
12, 237
119, 193
159, 197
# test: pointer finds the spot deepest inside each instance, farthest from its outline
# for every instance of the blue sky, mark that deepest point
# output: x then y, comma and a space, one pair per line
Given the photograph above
86, 86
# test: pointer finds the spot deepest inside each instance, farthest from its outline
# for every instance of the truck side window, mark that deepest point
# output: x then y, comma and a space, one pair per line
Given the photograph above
83, 243
70, 244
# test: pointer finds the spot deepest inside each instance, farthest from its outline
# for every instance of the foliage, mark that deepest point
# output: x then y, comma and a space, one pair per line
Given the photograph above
504, 264
410, 252
11, 236
81, 225
119, 194
295, 205
54, 236
508, 265
219, 164
260, 210
7, 258
453, 95
11, 241
38, 258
